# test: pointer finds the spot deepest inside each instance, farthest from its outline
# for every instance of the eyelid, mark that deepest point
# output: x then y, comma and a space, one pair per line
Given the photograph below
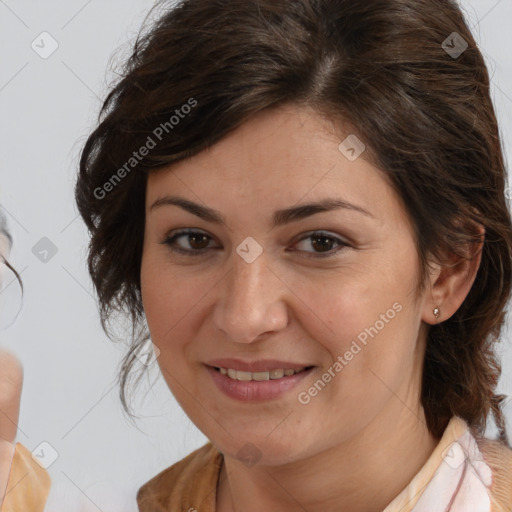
342, 243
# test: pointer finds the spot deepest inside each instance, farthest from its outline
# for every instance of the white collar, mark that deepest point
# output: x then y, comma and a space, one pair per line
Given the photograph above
455, 478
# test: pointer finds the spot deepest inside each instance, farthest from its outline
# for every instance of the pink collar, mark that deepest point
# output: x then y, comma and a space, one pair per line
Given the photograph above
455, 478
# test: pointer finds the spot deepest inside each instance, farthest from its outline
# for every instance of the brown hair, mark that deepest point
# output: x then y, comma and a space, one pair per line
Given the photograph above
6, 235
383, 67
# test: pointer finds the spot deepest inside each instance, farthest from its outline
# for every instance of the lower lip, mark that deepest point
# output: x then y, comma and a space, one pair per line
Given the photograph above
252, 390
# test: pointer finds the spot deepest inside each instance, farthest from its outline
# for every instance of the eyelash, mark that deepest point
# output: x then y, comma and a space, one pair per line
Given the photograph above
169, 240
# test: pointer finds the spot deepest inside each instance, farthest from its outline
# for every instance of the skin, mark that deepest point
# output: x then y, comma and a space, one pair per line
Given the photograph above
11, 382
361, 439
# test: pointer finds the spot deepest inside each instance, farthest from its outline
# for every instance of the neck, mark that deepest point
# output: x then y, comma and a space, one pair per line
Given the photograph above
363, 474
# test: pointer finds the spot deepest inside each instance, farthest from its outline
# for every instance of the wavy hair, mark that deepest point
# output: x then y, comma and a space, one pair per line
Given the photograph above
6, 235
390, 69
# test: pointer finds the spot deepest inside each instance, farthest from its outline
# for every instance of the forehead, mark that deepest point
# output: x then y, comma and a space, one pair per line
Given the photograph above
278, 158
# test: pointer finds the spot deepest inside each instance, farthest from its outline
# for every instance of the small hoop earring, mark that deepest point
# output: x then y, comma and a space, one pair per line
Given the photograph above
436, 312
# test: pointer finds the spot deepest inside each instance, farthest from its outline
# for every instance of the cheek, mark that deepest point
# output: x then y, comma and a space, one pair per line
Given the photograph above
172, 297
342, 306
160, 300
363, 315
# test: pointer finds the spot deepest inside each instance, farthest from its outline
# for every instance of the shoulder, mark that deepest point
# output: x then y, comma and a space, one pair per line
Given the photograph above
185, 484
26, 492
499, 458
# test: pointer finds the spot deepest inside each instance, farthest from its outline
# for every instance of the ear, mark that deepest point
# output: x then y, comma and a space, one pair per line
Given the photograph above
451, 282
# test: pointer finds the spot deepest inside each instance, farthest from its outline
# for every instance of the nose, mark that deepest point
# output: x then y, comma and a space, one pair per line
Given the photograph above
251, 301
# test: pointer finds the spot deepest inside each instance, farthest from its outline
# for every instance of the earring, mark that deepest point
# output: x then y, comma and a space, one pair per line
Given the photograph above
436, 312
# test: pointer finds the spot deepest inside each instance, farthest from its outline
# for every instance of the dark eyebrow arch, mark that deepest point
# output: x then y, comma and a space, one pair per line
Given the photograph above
280, 217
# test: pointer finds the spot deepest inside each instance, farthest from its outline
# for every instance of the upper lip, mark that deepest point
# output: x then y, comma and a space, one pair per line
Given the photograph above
262, 365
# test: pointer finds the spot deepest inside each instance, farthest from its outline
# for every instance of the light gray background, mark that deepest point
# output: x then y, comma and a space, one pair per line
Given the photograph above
47, 108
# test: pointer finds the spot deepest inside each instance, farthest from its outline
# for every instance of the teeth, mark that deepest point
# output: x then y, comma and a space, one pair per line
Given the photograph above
259, 376
277, 374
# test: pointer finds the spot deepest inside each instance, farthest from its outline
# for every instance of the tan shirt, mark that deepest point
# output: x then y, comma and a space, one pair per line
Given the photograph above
190, 485
29, 484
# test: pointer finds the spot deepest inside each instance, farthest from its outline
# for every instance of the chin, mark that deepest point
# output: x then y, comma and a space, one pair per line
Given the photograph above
260, 450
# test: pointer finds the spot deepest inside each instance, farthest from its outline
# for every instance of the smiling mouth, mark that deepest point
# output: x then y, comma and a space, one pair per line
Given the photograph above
278, 373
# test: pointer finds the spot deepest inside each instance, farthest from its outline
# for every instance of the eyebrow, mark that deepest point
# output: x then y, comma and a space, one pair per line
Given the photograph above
280, 217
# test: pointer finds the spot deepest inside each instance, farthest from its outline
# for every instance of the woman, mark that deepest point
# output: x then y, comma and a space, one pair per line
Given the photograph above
24, 484
305, 201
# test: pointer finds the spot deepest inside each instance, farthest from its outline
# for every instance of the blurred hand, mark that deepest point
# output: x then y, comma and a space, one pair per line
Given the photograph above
11, 381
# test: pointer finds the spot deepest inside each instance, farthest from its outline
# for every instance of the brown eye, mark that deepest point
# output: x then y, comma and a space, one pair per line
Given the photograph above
198, 242
323, 244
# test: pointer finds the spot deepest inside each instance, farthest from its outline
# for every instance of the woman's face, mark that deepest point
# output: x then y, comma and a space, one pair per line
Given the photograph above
262, 292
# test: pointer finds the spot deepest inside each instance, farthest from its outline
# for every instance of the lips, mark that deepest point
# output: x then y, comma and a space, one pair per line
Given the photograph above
247, 380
